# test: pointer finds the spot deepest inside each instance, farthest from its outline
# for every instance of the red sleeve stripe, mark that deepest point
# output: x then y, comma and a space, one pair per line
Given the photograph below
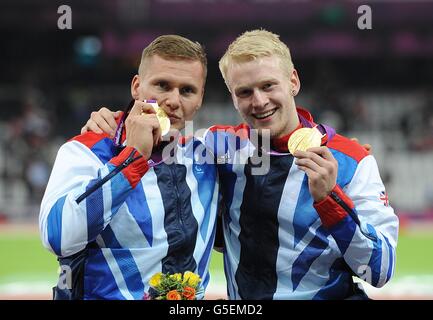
348, 147
89, 139
340, 194
331, 212
242, 131
136, 170
122, 156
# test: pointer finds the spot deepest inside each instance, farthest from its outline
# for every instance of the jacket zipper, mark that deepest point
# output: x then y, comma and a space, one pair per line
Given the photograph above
178, 205
351, 214
116, 170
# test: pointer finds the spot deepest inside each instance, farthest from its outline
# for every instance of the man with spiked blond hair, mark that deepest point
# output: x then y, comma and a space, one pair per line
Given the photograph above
243, 49
315, 218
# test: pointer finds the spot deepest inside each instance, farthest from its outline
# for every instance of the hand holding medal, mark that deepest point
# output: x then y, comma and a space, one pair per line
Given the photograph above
318, 162
164, 121
144, 125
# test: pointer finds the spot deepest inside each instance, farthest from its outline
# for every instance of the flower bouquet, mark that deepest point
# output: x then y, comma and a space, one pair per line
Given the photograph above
174, 286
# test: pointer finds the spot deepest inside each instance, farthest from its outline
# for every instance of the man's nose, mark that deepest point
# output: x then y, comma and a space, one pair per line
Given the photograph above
259, 99
173, 99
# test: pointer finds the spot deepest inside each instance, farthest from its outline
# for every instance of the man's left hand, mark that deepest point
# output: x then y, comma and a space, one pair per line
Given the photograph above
365, 145
321, 168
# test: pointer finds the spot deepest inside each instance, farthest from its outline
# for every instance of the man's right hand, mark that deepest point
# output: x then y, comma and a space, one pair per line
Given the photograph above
142, 128
140, 123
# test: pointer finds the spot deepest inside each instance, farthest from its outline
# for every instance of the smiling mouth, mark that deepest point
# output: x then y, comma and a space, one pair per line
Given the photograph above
264, 115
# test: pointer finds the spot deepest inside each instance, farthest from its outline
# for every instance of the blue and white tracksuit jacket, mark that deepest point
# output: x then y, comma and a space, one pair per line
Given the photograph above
281, 245
144, 220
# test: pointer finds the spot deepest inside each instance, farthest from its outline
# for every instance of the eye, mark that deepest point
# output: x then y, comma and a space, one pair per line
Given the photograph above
267, 86
187, 90
243, 93
163, 85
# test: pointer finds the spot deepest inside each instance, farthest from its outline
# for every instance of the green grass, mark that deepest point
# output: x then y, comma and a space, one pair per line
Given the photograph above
216, 263
22, 258
415, 253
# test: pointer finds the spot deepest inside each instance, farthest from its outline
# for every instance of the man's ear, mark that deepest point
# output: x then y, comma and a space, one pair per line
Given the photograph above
295, 83
135, 84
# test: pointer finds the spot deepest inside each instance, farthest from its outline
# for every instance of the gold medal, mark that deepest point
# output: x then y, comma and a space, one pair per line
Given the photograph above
164, 121
303, 139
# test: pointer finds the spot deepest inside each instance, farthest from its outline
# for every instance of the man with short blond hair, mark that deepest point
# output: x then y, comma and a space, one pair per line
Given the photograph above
242, 50
316, 218
114, 212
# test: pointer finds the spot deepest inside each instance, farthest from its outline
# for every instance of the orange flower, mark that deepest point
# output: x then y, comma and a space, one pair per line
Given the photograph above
174, 295
189, 293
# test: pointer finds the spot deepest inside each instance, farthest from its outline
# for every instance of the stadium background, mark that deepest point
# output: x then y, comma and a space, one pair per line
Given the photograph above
375, 84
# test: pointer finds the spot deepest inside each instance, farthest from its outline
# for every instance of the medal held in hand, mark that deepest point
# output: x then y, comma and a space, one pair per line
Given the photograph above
164, 121
303, 139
